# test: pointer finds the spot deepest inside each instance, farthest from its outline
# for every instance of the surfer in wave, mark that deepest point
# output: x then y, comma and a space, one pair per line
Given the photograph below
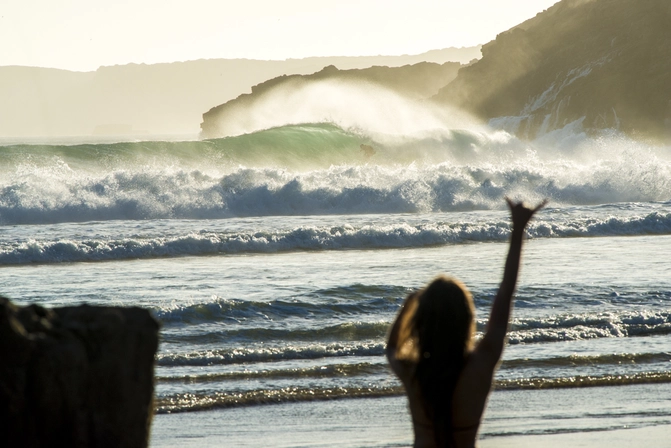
430, 349
368, 151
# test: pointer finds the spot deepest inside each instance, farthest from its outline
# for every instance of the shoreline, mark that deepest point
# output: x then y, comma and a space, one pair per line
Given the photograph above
601, 417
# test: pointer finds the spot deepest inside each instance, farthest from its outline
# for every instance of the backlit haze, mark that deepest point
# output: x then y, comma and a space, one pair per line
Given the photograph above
82, 35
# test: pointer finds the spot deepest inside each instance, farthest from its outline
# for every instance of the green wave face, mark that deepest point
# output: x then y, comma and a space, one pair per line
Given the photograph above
292, 146
308, 146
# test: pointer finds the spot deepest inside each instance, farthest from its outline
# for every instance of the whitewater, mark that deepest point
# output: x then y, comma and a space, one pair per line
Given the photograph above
276, 258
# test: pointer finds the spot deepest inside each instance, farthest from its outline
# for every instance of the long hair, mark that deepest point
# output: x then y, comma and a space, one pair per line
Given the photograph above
437, 337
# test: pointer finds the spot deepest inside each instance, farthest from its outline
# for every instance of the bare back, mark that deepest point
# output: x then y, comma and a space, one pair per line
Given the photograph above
470, 397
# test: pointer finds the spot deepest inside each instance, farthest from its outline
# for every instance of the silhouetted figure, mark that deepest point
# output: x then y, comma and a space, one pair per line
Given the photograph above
430, 348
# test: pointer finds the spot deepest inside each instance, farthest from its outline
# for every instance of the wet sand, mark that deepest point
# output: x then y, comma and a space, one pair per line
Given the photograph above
651, 436
605, 417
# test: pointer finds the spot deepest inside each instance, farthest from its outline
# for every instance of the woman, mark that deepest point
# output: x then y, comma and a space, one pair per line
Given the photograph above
447, 380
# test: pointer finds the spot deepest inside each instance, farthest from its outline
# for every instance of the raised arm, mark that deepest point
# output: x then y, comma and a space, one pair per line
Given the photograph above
495, 333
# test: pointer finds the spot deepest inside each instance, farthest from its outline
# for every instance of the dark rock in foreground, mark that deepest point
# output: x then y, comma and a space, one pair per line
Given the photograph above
76, 376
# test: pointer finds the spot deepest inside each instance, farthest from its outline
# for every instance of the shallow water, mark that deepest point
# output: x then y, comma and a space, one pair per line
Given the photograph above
594, 417
285, 327
275, 279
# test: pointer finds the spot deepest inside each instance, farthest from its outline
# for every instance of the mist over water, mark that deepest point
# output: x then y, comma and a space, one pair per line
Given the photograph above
317, 168
374, 110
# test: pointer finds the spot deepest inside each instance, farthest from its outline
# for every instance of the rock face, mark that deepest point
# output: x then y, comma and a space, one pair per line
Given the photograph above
76, 376
605, 62
417, 81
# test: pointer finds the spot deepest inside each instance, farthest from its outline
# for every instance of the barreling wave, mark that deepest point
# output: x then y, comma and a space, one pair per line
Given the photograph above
311, 144
316, 238
318, 169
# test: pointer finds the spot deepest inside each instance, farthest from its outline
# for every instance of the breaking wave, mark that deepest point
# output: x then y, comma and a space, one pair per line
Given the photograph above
317, 169
313, 238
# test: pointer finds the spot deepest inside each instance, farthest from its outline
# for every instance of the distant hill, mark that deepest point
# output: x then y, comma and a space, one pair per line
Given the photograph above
137, 99
282, 94
605, 62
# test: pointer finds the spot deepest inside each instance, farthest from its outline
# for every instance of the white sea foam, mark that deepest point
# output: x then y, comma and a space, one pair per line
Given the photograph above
590, 326
429, 171
309, 238
337, 190
350, 105
244, 355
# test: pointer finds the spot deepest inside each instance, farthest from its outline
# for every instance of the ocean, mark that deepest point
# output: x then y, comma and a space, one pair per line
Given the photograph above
275, 261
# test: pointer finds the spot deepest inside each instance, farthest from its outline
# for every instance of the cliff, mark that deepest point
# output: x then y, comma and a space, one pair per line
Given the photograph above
603, 62
76, 376
417, 81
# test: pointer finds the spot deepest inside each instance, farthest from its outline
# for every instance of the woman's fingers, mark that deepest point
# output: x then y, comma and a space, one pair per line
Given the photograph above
512, 205
541, 205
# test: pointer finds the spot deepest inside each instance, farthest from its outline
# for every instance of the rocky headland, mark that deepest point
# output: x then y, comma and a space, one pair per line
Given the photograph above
593, 64
600, 63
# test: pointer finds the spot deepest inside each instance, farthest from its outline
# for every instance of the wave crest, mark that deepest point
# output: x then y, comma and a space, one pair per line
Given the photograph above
312, 238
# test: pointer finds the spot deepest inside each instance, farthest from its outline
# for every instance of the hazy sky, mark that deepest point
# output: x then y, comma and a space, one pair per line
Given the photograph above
85, 34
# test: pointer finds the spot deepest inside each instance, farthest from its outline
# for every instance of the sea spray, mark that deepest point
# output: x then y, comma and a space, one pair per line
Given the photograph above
317, 170
349, 105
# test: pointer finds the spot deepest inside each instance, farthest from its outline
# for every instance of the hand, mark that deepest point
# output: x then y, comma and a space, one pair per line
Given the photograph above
521, 214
